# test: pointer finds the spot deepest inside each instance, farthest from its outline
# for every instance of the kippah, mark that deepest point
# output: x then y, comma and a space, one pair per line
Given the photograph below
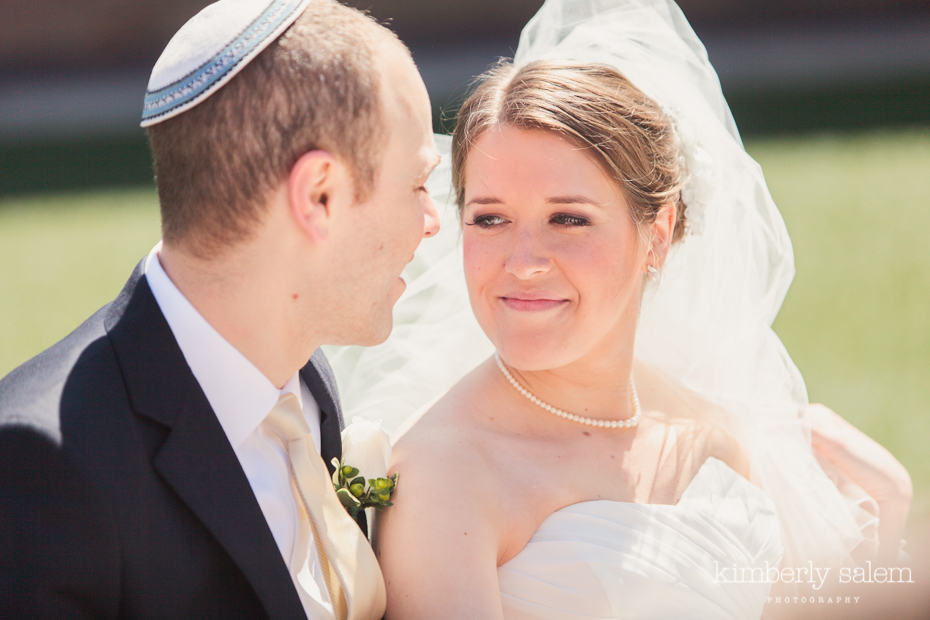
210, 49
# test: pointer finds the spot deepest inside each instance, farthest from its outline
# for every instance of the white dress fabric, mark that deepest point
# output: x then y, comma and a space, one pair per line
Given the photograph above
609, 559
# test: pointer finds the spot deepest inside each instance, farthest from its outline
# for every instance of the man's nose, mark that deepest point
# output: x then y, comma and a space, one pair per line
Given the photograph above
430, 219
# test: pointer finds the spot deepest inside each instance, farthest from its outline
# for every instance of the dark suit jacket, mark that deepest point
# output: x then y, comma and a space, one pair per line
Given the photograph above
119, 492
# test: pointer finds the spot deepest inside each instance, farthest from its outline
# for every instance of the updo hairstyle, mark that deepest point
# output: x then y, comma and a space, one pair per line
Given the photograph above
592, 105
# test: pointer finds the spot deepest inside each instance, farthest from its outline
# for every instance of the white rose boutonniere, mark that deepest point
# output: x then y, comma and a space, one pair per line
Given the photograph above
361, 479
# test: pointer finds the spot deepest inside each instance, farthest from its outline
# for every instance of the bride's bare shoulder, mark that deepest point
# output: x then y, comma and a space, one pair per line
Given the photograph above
446, 438
446, 481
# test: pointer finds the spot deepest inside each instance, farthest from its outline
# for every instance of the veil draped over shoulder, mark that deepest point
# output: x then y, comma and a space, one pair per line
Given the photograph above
707, 323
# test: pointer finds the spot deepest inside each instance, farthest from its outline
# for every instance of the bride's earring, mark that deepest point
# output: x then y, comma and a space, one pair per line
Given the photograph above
652, 273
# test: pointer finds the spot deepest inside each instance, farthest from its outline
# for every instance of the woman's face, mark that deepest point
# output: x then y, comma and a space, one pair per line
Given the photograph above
553, 261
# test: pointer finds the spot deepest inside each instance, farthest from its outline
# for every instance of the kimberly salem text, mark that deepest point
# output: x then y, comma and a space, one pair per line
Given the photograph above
814, 576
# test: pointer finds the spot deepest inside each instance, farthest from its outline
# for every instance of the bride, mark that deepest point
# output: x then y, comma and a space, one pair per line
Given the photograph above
634, 446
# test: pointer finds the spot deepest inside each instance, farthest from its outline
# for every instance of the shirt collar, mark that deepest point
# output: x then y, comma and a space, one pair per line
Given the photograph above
240, 395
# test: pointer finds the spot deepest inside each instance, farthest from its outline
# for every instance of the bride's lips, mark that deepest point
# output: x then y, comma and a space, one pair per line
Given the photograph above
531, 303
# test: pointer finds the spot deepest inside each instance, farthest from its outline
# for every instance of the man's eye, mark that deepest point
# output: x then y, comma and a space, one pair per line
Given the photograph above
565, 219
486, 221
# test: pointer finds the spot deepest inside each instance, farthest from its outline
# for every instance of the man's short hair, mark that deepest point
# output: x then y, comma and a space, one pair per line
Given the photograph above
315, 87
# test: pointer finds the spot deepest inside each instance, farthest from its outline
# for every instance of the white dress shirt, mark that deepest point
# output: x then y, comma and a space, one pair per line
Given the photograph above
241, 396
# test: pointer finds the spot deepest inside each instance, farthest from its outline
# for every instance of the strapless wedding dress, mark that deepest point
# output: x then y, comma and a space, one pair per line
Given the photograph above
610, 559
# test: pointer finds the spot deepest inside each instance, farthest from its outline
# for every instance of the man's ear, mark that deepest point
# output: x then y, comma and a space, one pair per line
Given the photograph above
316, 185
662, 230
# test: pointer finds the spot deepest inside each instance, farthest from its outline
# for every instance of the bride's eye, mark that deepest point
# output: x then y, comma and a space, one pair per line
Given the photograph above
566, 219
486, 221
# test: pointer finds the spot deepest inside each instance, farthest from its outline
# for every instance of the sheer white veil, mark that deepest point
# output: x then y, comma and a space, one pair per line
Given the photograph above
707, 323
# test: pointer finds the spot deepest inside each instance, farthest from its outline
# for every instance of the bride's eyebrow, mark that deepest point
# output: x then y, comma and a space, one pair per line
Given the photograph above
484, 200
573, 200
553, 200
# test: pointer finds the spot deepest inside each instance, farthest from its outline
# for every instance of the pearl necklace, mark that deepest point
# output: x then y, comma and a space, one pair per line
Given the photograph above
580, 419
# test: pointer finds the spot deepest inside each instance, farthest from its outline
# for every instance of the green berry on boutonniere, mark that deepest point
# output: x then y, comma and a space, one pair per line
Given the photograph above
356, 494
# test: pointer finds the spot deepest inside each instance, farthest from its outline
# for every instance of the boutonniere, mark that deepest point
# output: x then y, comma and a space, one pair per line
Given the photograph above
357, 493
361, 479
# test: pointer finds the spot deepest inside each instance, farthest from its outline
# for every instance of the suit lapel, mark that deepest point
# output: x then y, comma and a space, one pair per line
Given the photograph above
319, 379
195, 459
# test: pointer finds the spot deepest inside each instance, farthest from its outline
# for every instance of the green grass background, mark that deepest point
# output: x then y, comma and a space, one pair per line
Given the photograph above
856, 320
857, 317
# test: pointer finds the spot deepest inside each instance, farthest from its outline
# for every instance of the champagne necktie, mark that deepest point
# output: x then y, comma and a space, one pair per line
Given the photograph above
348, 563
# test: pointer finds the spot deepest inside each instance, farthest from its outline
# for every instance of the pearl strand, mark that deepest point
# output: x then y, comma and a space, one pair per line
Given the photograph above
580, 419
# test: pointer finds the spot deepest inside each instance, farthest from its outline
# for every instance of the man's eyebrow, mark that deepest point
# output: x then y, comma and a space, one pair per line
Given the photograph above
428, 169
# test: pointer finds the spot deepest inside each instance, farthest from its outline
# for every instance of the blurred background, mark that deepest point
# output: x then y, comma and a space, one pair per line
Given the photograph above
72, 74
833, 99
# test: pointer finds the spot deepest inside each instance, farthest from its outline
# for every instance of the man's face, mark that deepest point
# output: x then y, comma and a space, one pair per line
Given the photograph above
398, 212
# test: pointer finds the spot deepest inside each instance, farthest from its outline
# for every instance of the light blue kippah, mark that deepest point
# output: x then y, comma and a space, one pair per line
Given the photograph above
210, 49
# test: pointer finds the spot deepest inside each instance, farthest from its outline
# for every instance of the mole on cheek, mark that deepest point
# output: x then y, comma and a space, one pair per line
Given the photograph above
295, 296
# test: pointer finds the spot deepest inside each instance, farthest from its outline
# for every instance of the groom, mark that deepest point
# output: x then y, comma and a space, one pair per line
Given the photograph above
140, 472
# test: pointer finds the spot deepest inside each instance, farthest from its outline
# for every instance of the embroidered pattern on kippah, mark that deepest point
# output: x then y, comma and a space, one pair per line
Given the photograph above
188, 88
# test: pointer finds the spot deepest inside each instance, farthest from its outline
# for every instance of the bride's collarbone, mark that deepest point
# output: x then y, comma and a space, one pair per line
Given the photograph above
538, 465
652, 465
527, 477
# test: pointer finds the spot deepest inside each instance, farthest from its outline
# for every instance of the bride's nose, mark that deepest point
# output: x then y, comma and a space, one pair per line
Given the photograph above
527, 256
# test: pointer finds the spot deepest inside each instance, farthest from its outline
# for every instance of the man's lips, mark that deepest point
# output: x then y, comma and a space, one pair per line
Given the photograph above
531, 303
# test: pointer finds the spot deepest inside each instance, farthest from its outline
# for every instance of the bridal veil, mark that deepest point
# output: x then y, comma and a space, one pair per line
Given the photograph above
706, 323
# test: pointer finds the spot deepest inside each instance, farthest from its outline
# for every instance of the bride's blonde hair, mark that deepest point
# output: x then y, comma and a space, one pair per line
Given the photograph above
592, 105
